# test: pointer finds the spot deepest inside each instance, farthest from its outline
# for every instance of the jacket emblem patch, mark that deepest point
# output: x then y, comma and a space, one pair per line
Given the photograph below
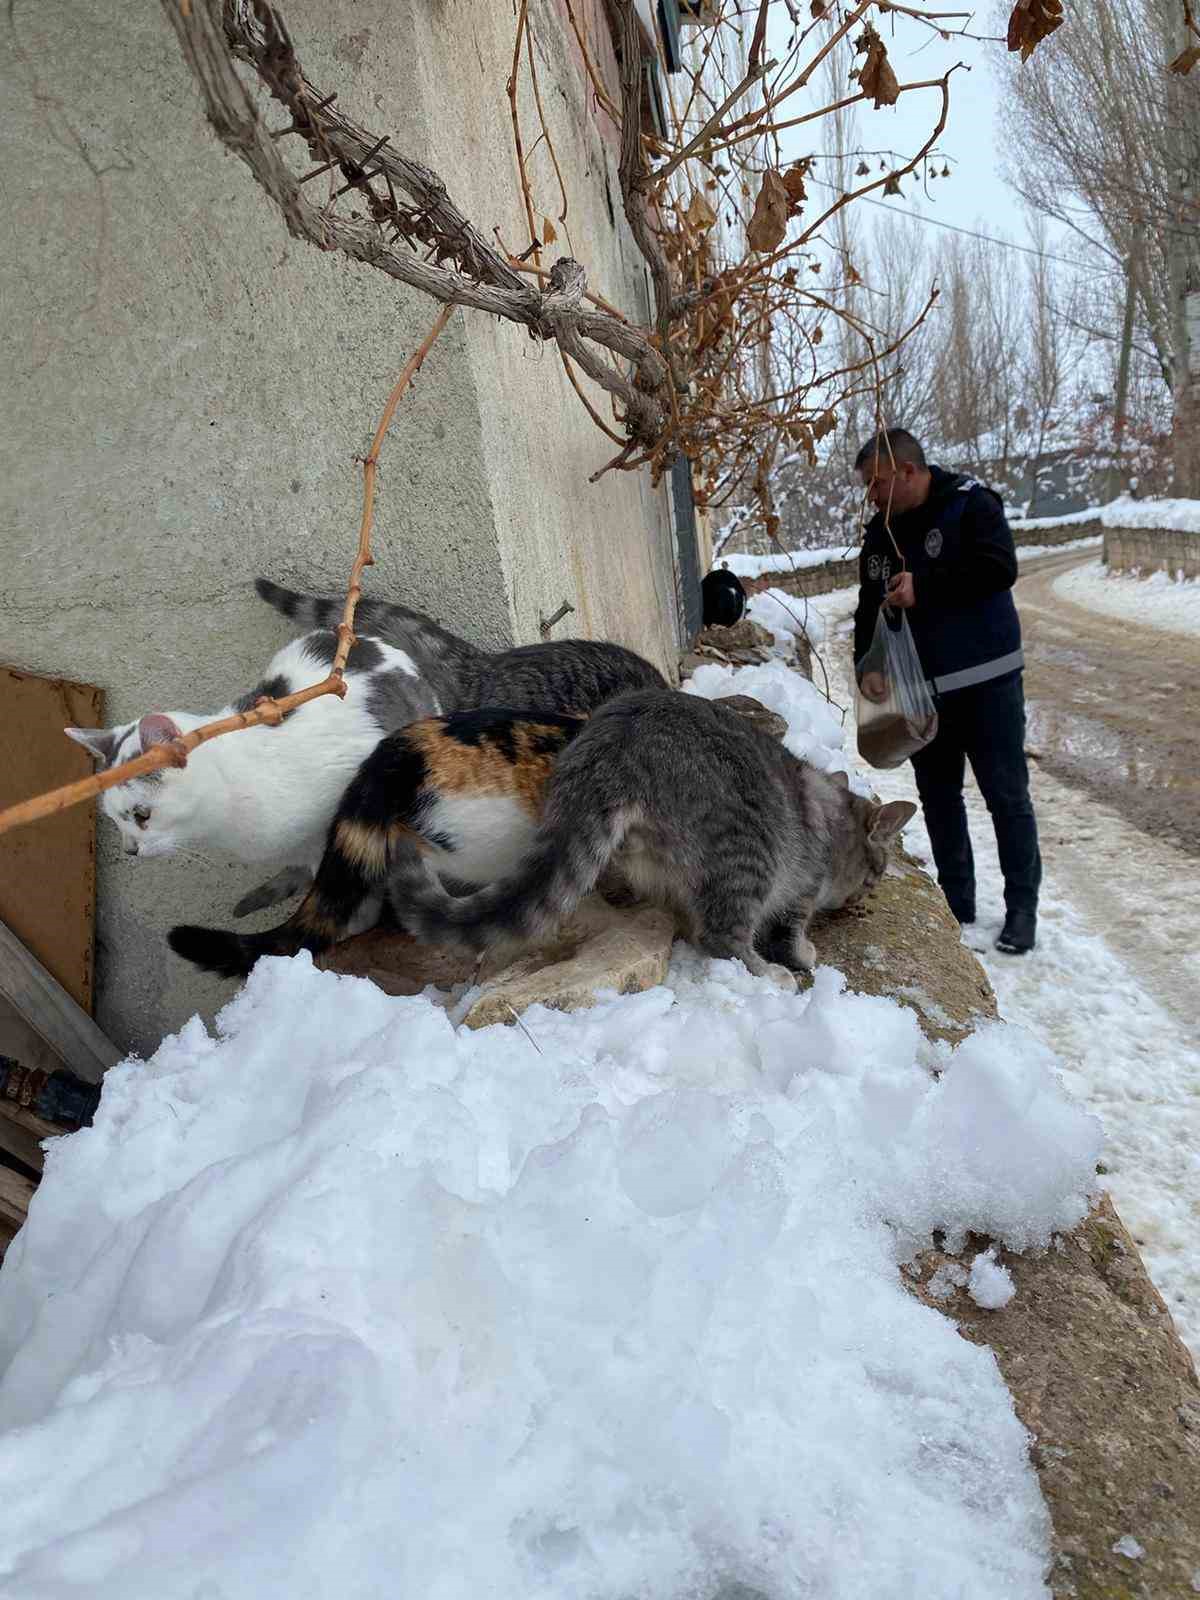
874, 567
933, 543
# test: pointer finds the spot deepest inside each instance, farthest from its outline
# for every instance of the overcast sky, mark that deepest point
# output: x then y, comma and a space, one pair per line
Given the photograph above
975, 196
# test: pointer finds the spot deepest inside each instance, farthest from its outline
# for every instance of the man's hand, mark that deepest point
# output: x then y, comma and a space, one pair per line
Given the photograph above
900, 591
874, 686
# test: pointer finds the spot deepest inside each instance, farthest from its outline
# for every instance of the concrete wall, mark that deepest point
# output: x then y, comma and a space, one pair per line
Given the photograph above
1152, 550
187, 390
832, 575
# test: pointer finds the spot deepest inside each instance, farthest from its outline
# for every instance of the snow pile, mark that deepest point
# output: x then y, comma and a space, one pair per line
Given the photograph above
990, 1285
786, 615
1067, 520
344, 1302
1159, 601
1024, 551
787, 560
814, 726
1182, 516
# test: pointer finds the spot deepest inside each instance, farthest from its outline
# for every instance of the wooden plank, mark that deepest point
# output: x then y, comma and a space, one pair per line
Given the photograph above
21, 1134
15, 1194
48, 869
52, 1013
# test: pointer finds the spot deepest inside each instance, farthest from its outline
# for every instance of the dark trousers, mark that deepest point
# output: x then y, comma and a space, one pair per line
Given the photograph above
984, 725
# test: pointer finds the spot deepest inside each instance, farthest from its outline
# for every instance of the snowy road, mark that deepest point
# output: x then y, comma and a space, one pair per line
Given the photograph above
1113, 982
1114, 706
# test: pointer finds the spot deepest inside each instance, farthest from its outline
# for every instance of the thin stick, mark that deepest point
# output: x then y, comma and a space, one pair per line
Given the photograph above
267, 711
364, 558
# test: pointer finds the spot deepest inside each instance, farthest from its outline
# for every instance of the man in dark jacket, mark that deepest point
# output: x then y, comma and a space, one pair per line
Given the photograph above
940, 549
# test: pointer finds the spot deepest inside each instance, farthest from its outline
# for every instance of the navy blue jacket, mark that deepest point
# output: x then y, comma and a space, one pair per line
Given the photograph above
960, 552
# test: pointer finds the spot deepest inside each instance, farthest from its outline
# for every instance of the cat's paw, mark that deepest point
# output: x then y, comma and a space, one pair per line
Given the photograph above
781, 977
805, 953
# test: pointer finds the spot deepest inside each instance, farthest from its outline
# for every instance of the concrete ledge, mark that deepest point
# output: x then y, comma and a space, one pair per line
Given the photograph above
1150, 550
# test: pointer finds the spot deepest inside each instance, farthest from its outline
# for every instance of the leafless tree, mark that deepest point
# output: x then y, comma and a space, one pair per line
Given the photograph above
1104, 140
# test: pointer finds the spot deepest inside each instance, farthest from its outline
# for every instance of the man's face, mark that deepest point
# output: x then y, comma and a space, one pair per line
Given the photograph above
896, 485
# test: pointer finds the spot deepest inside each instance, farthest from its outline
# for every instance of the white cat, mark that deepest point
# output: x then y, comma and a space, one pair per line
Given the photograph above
263, 794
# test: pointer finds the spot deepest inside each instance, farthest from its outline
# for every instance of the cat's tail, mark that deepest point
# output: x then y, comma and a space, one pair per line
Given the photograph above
396, 624
372, 828
562, 865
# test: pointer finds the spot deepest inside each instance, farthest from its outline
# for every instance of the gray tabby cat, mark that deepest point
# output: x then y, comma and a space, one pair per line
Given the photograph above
698, 811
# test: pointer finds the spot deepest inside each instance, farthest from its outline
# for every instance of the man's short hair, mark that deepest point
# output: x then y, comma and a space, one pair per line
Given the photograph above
893, 444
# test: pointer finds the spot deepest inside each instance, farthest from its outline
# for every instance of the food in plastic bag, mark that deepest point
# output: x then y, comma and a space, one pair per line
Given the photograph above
905, 719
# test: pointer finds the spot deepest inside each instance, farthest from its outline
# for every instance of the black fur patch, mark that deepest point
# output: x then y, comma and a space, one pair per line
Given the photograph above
271, 689
364, 656
498, 724
282, 599
386, 785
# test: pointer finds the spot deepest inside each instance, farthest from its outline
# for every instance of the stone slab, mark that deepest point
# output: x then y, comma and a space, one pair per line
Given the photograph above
600, 947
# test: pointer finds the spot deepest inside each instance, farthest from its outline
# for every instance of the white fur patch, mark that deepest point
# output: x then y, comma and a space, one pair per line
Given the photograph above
264, 794
488, 835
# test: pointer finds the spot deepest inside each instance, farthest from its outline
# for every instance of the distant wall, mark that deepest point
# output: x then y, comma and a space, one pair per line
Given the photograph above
1152, 550
832, 575
1056, 533
828, 576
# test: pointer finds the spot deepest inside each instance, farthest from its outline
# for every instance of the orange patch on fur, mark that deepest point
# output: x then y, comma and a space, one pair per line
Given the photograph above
486, 768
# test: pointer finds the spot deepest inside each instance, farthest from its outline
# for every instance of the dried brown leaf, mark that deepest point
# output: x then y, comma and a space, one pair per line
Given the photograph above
549, 236
699, 214
875, 76
1185, 60
769, 222
818, 9
861, 170
1032, 21
824, 424
793, 182
892, 186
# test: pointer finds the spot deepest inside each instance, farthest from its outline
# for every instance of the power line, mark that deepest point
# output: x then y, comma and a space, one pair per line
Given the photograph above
988, 238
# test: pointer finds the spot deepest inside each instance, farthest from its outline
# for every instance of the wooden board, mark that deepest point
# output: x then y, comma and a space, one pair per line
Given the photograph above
48, 1008
48, 868
15, 1194
21, 1134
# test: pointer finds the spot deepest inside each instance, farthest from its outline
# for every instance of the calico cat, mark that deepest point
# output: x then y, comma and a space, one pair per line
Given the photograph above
270, 793
699, 812
464, 791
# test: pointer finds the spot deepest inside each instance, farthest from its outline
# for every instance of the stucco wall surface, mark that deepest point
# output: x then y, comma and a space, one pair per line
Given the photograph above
187, 390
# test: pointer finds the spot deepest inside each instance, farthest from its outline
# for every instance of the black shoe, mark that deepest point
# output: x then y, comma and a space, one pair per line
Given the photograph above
1019, 933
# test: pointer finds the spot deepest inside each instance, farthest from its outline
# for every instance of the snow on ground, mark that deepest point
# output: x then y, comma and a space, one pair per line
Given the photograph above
341, 1301
1181, 515
1024, 551
1159, 601
1115, 908
1067, 520
786, 560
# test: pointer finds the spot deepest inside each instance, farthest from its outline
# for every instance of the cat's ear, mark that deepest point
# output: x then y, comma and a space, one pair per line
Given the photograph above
841, 779
888, 822
156, 727
103, 743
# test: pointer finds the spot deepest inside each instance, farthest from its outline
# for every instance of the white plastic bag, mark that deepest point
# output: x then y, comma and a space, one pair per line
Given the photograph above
904, 720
